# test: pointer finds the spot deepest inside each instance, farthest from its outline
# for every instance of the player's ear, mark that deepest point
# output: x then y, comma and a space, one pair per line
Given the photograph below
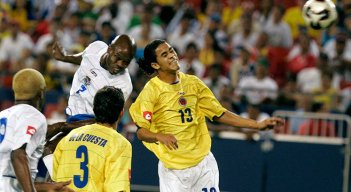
155, 65
110, 49
121, 114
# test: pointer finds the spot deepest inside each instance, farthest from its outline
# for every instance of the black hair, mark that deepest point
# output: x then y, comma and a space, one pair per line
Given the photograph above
108, 104
149, 56
191, 45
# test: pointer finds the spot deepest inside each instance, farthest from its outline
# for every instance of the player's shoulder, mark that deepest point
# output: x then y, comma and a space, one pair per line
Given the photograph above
189, 79
28, 111
119, 140
152, 84
188, 76
95, 47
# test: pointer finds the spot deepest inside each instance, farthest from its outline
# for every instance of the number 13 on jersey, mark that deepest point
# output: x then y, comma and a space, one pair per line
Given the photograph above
186, 112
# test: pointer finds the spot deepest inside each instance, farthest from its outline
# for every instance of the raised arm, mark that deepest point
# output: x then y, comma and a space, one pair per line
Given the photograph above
59, 53
232, 119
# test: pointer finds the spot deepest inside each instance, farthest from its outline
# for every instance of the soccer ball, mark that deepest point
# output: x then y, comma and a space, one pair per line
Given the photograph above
319, 14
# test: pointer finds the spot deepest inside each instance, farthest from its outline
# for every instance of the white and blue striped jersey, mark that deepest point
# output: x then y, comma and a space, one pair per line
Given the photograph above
90, 77
20, 124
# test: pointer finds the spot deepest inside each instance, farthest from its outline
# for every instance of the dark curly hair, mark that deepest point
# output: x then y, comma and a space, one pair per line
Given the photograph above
149, 56
108, 104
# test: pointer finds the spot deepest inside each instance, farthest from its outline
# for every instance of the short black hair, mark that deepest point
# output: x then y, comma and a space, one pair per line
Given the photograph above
108, 104
149, 56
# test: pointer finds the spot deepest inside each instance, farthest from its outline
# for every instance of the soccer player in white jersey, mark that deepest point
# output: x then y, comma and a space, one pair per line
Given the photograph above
100, 65
22, 136
170, 114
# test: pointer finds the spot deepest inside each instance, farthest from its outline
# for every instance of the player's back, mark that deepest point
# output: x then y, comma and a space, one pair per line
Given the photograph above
20, 124
88, 156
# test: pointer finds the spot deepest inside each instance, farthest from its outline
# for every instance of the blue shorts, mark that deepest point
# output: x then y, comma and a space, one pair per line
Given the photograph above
79, 117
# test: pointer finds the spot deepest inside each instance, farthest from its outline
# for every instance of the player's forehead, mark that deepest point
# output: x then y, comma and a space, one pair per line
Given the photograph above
123, 51
164, 47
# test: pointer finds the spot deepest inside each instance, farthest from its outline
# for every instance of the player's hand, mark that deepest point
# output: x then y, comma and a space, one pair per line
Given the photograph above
62, 186
54, 187
169, 140
270, 123
57, 51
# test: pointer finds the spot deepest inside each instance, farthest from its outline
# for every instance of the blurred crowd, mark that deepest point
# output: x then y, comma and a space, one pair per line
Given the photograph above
257, 56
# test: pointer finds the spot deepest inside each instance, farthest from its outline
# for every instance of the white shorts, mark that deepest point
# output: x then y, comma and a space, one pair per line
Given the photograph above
204, 177
9, 184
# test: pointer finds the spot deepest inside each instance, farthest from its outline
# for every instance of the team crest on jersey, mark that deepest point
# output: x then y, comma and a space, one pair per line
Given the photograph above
147, 115
30, 130
182, 101
86, 80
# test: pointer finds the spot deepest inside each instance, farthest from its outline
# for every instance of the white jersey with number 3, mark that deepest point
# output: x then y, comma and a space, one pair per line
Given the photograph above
90, 77
19, 125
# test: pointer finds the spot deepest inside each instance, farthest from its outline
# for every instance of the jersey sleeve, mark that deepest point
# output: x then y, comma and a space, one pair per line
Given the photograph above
118, 168
27, 126
94, 47
207, 102
141, 111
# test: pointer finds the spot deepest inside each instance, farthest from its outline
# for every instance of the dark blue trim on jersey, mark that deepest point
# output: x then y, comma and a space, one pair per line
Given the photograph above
10, 176
79, 117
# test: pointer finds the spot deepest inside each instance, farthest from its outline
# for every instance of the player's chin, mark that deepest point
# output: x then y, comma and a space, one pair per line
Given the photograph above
114, 72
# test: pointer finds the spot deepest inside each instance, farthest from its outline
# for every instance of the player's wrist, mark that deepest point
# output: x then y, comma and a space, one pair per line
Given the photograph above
257, 125
156, 137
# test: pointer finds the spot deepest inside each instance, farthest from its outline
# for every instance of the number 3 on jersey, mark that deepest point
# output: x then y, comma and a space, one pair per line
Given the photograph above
187, 112
82, 152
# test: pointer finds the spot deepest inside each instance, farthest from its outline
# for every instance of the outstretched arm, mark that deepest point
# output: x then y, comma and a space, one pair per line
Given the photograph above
59, 53
65, 127
232, 119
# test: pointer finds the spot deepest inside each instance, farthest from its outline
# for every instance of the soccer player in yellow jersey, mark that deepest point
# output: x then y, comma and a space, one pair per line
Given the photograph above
170, 114
96, 157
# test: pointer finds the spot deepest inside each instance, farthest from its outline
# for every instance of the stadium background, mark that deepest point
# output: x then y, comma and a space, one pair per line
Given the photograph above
223, 42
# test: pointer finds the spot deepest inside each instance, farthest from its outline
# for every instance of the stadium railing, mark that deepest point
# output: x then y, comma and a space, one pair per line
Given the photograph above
323, 128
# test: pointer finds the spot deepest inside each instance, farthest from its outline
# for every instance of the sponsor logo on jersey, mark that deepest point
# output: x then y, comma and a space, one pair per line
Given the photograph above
147, 115
30, 130
182, 101
181, 93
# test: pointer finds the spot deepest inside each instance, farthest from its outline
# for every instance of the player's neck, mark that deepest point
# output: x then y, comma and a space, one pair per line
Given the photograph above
26, 101
170, 78
103, 61
112, 126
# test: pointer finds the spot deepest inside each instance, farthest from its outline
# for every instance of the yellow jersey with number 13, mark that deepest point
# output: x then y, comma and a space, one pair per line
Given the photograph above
177, 109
